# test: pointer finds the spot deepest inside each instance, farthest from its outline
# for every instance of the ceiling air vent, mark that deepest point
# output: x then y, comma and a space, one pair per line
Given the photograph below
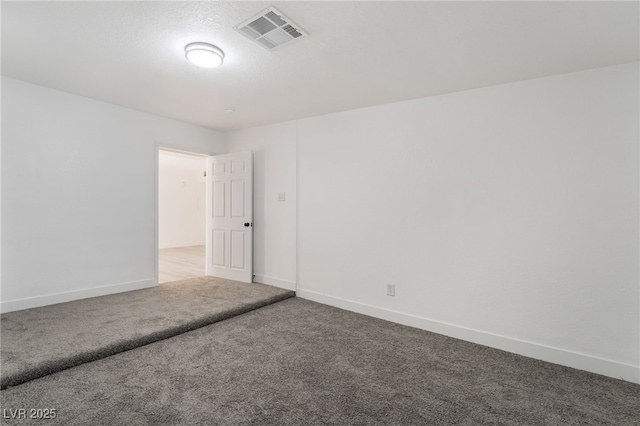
270, 29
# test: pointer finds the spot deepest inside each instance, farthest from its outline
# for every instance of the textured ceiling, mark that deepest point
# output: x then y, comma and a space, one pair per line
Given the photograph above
358, 53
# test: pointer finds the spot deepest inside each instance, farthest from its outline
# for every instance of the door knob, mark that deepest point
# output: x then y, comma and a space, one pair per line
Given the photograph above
247, 224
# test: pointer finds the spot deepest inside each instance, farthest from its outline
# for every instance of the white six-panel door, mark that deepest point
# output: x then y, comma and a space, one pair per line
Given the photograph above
230, 216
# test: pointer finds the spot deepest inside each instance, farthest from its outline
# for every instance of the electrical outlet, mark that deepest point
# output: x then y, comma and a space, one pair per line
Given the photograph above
391, 289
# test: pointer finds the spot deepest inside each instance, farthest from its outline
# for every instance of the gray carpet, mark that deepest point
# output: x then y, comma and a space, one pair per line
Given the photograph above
297, 362
41, 341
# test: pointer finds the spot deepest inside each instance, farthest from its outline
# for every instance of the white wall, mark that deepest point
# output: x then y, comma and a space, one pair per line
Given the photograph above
0, 197
274, 171
181, 200
505, 215
78, 194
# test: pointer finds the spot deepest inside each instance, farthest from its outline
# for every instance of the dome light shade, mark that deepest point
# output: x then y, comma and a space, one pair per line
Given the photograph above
204, 54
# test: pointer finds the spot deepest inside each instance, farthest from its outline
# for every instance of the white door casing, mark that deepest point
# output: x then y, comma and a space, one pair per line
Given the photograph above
229, 212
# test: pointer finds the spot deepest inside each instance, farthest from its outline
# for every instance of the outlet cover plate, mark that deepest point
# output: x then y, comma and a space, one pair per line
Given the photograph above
391, 289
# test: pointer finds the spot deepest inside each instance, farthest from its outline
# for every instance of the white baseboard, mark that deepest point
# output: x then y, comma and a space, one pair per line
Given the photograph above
606, 367
276, 282
67, 296
182, 244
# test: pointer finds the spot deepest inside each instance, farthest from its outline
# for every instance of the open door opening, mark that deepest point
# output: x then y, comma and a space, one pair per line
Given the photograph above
181, 215
229, 216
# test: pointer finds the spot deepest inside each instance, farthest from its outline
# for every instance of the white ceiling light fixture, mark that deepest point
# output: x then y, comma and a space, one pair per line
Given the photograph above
204, 54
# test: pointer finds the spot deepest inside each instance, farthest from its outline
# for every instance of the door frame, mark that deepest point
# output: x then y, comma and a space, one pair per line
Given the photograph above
162, 146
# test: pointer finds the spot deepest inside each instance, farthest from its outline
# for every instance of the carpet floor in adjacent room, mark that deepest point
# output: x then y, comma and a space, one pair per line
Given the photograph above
41, 341
297, 362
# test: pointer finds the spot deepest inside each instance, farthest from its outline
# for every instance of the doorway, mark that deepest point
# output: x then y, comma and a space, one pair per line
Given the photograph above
181, 215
